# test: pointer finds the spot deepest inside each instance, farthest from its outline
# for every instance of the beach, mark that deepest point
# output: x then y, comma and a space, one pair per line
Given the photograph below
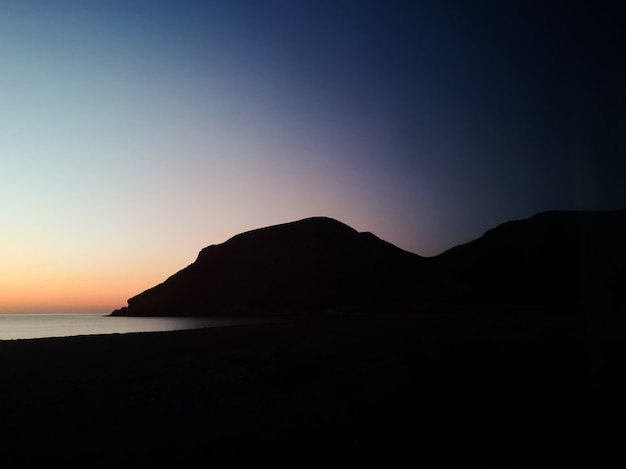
507, 390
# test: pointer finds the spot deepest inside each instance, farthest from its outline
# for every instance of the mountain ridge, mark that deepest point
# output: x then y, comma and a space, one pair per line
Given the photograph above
555, 258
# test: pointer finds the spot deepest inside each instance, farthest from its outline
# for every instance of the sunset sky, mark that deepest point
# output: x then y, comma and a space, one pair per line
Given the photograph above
134, 133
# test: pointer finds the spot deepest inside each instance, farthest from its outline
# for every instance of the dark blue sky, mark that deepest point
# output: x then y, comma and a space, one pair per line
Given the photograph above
513, 107
186, 122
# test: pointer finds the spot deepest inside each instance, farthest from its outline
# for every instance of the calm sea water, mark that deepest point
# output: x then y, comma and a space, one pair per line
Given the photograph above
34, 326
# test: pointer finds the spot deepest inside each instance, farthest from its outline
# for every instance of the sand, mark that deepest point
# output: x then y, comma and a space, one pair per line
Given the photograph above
503, 390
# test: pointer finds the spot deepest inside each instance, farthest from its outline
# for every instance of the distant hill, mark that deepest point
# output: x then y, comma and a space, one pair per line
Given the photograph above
574, 259
312, 264
554, 258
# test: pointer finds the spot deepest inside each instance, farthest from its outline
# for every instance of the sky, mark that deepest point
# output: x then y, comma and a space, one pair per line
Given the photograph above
134, 133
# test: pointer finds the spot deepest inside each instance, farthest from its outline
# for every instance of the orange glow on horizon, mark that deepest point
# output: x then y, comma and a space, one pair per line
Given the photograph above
72, 291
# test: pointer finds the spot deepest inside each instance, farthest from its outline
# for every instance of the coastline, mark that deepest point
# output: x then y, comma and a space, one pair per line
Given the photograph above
395, 389
41, 326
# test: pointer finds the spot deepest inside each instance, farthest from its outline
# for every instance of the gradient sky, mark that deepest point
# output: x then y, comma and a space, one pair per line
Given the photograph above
134, 133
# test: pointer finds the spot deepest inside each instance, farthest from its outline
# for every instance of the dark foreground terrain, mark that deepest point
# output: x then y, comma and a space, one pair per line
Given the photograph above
496, 388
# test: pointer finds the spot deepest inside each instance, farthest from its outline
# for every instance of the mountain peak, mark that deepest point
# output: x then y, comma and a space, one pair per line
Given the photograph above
307, 228
316, 263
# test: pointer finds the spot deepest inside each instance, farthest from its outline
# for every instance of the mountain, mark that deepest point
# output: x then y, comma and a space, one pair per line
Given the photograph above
554, 259
312, 264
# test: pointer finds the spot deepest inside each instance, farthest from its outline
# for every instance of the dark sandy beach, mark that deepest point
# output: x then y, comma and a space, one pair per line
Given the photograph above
499, 388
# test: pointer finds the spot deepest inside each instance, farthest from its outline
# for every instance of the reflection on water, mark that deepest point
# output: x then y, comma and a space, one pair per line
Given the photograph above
33, 326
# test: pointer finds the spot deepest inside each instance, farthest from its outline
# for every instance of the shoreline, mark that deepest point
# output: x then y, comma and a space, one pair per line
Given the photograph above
313, 390
40, 326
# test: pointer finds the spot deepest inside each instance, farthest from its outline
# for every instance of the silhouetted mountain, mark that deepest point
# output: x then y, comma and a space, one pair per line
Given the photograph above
575, 259
312, 264
554, 258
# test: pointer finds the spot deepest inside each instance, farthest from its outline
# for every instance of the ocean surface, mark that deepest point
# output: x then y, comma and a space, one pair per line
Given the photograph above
35, 326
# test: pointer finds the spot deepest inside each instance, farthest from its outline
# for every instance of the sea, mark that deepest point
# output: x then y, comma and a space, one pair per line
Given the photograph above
37, 326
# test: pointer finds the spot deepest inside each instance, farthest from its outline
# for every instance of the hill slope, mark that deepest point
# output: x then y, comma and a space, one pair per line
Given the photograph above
558, 258
574, 259
311, 264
